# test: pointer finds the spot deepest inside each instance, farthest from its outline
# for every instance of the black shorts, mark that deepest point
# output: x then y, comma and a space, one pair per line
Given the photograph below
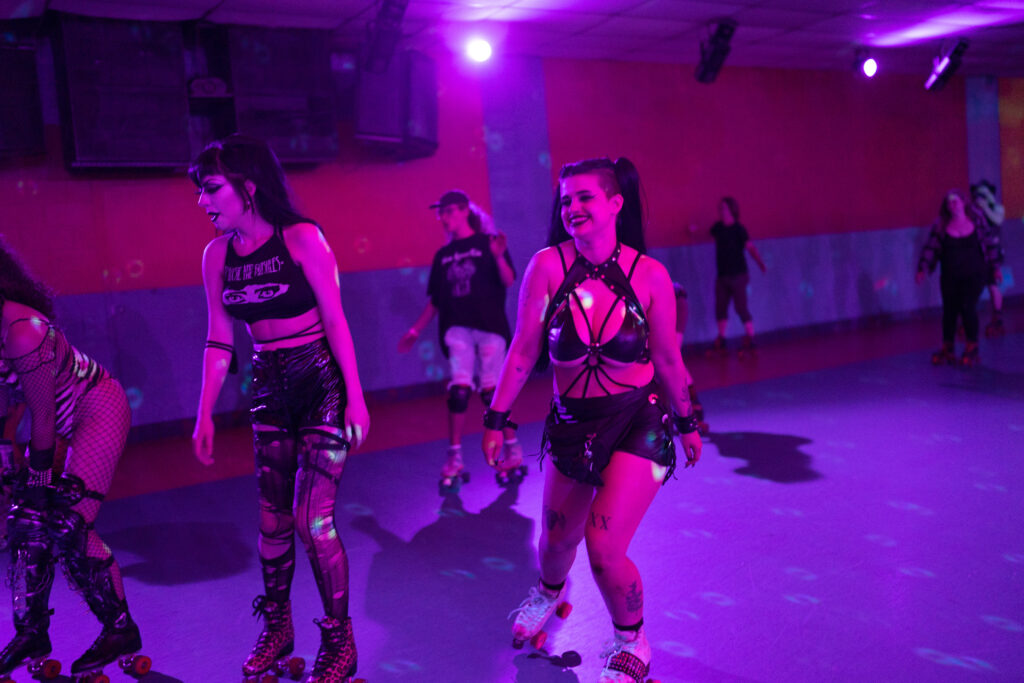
581, 434
297, 387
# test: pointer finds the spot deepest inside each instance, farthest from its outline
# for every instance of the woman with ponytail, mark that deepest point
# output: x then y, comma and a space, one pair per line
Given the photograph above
603, 313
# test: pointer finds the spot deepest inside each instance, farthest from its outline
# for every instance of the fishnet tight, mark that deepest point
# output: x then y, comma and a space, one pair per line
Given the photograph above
99, 434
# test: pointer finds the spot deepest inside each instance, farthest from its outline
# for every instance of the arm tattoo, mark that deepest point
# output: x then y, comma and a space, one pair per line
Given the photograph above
599, 521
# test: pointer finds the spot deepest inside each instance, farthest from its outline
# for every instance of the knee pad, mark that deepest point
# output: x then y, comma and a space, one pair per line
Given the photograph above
458, 398
487, 395
69, 490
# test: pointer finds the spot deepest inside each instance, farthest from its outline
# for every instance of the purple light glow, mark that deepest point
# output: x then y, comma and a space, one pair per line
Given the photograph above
479, 50
982, 14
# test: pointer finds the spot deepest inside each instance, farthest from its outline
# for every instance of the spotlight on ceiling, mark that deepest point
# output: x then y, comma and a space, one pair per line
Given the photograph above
865, 63
479, 50
945, 65
714, 48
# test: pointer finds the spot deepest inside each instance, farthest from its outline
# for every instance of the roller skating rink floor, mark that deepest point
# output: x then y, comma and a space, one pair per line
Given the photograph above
857, 520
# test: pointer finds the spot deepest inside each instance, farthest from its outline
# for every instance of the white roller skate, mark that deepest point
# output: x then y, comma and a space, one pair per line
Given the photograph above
534, 613
511, 469
627, 658
453, 474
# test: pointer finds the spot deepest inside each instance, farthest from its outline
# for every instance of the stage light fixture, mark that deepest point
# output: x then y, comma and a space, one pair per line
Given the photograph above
945, 65
714, 48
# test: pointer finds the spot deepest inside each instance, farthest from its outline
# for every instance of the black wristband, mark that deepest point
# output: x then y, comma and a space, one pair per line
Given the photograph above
233, 365
41, 458
687, 424
494, 419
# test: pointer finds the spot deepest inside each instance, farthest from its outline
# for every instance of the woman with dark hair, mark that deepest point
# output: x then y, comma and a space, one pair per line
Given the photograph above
71, 396
970, 254
731, 241
468, 280
604, 314
274, 269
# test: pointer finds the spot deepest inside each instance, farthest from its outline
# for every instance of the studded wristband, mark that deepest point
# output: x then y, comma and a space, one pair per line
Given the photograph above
686, 424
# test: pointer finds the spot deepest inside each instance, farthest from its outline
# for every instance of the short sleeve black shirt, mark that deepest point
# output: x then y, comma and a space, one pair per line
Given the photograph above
730, 242
466, 288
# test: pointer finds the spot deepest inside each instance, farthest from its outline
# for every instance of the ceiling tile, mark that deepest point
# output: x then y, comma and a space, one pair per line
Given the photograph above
636, 26
686, 11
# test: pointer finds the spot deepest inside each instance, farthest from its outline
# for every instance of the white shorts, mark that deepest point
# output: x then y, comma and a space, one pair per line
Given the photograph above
474, 352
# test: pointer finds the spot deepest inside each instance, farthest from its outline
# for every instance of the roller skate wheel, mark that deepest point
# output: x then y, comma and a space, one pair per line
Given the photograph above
135, 665
539, 639
49, 669
268, 678
96, 677
291, 666
563, 610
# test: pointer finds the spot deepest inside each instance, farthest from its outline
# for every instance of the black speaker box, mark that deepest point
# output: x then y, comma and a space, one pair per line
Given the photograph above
122, 93
21, 114
284, 90
396, 111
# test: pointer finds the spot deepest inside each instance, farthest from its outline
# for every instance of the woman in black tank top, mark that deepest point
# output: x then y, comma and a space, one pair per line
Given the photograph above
604, 313
970, 255
273, 269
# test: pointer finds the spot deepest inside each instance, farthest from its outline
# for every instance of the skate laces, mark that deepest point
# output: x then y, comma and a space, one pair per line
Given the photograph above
619, 644
535, 604
337, 652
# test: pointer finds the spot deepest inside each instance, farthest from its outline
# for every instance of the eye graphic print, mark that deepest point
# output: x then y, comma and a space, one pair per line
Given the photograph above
265, 292
232, 296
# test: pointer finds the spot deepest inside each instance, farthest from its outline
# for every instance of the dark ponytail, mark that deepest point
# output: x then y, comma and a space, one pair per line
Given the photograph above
618, 177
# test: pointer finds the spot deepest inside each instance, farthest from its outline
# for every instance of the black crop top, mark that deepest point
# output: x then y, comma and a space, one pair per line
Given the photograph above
266, 284
628, 345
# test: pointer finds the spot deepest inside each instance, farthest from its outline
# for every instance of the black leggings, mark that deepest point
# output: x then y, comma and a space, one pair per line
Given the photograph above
297, 415
960, 301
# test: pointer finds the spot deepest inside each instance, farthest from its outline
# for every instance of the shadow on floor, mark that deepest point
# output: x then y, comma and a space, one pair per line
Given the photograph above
775, 457
460, 565
167, 553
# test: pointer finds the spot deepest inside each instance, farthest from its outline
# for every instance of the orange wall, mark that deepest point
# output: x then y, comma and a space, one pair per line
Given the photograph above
108, 232
804, 152
1011, 140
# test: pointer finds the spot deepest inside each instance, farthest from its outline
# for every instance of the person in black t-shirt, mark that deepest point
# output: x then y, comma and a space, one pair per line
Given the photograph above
468, 281
731, 241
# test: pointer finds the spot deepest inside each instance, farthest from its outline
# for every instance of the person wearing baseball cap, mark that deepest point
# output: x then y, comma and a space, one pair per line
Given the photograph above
469, 279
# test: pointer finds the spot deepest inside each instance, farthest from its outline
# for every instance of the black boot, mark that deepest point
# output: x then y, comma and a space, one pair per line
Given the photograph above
119, 637
93, 578
31, 576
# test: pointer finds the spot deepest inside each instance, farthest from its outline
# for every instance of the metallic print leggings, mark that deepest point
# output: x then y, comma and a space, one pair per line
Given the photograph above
297, 416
